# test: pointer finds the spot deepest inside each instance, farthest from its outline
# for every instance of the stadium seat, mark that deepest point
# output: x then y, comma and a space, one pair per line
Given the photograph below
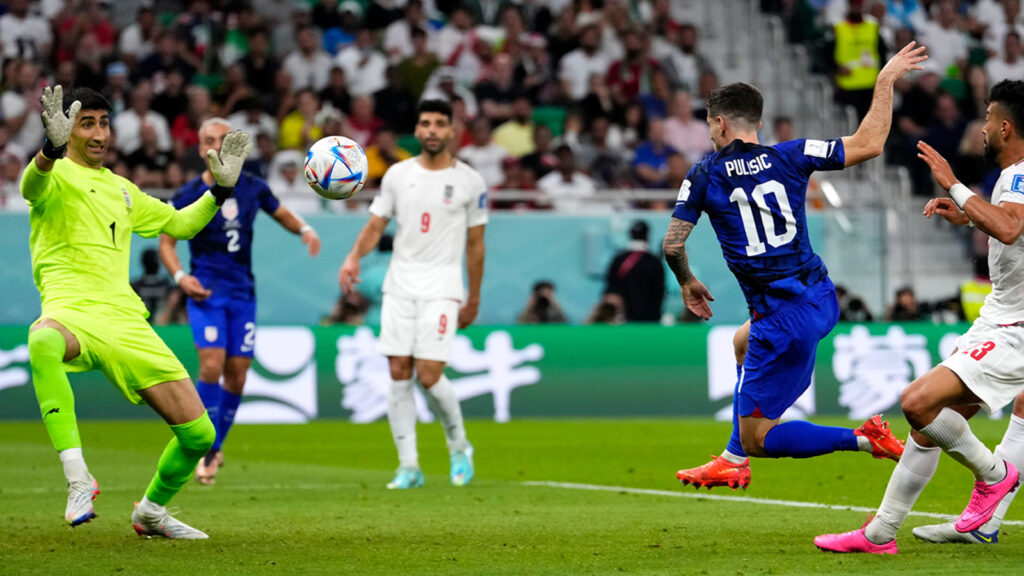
551, 116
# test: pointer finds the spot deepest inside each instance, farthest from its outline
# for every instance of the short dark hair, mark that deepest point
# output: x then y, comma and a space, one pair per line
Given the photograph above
639, 230
89, 98
739, 101
439, 106
1010, 96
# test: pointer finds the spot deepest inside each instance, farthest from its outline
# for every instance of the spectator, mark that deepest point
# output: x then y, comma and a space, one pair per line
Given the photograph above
149, 153
627, 76
309, 66
601, 153
456, 34
299, 129
85, 28
542, 160
851, 307
138, 40
689, 136
168, 56
253, 120
634, 126
152, 287
707, 83
266, 148
855, 50
349, 310
1010, 65
23, 35
497, 93
232, 90
541, 306
598, 101
516, 135
515, 179
578, 66
677, 169
1004, 19
657, 99
969, 163
905, 308
364, 122
9, 149
117, 90
535, 71
336, 92
947, 130
567, 189
416, 69
364, 66
947, 45
383, 154
19, 108
342, 36
289, 185
650, 164
782, 130
286, 30
185, 128
638, 277
326, 15
443, 86
398, 37
608, 310
399, 102
684, 62
483, 153
260, 65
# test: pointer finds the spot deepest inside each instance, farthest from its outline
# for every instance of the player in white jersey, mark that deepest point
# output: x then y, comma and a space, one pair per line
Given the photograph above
440, 206
987, 368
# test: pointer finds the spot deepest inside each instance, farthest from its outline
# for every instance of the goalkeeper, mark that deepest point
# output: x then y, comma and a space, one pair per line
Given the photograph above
82, 218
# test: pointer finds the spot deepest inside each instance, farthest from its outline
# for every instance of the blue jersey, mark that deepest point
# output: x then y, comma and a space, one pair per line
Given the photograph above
222, 251
754, 196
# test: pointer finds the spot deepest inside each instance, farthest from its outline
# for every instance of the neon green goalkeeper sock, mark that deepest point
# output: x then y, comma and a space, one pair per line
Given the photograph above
190, 443
46, 350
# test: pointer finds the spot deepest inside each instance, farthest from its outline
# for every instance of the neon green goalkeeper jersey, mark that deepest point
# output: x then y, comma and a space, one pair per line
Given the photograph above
82, 222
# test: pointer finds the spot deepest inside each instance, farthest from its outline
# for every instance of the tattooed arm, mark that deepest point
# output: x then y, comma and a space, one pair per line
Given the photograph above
695, 294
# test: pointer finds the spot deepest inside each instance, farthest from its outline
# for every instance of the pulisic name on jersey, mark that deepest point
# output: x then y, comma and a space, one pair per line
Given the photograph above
741, 167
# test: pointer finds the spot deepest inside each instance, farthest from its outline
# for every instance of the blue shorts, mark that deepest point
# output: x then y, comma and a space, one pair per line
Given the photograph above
221, 322
781, 351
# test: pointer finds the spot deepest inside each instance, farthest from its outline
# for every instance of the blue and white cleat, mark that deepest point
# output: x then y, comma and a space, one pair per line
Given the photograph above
462, 466
80, 497
947, 533
406, 477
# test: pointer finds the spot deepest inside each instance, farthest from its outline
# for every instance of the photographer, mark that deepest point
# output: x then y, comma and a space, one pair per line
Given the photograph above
541, 306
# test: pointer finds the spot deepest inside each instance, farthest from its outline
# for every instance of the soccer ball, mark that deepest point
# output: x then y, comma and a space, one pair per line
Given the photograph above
336, 167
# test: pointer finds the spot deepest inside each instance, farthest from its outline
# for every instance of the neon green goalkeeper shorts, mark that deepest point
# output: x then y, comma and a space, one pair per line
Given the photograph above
121, 345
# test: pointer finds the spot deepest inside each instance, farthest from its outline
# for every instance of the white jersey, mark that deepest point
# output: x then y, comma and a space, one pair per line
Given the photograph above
433, 209
1005, 304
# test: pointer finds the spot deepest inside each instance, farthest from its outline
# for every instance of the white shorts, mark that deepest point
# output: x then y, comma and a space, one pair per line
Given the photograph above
990, 361
423, 329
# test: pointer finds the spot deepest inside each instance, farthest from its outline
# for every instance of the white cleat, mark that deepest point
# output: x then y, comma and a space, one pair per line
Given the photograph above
80, 497
158, 522
947, 533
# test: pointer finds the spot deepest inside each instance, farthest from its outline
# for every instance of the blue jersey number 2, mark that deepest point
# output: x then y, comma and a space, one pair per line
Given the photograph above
775, 238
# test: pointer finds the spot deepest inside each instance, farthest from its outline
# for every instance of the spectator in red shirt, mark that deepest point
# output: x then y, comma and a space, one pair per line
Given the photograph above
631, 76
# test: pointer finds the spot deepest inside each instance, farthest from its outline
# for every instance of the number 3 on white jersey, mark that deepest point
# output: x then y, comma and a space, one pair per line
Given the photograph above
755, 245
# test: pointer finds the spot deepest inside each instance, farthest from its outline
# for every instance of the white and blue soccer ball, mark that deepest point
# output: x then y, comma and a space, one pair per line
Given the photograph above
336, 167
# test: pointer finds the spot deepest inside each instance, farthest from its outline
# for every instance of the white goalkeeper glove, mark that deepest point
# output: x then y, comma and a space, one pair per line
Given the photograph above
227, 166
58, 125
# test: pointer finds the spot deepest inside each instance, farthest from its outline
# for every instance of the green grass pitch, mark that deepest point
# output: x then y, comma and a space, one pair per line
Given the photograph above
310, 499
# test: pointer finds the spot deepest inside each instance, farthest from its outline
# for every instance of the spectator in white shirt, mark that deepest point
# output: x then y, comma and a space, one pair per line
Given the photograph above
398, 34
253, 120
947, 44
309, 65
483, 154
19, 108
365, 67
579, 65
289, 185
138, 39
455, 34
1010, 66
567, 188
24, 35
689, 136
128, 124
1008, 18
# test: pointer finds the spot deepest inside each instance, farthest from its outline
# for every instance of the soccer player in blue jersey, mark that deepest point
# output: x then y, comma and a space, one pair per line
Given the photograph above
754, 197
221, 288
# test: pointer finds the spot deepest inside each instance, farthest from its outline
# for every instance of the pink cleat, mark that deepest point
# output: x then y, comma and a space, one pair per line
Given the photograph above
985, 498
853, 541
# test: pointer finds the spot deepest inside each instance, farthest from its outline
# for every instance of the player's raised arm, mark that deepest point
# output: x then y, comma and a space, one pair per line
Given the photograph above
867, 142
225, 166
369, 236
695, 295
1004, 222
58, 125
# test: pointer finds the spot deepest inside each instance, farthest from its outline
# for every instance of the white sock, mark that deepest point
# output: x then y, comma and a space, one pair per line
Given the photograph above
402, 417
915, 468
75, 469
950, 431
445, 405
733, 458
1010, 449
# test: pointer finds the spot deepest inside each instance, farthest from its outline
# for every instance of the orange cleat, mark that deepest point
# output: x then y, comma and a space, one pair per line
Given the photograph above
883, 443
718, 472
